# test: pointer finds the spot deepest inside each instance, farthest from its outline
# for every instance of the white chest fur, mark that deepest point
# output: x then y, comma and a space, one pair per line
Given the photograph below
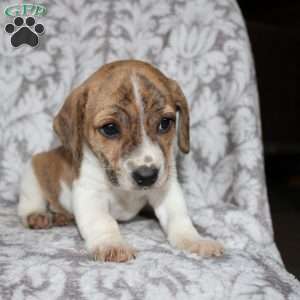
92, 184
121, 207
126, 205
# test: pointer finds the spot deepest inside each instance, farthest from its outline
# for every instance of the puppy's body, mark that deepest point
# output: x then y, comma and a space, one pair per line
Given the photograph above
118, 154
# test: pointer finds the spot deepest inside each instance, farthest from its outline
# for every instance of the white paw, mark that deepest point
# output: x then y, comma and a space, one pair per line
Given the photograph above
201, 247
113, 252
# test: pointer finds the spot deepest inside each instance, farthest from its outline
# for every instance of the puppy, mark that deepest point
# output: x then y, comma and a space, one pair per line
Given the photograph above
118, 154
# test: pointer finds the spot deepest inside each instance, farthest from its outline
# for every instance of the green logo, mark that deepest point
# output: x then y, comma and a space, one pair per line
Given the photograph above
37, 10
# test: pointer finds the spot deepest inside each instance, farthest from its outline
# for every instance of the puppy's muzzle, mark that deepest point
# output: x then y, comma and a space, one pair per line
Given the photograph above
145, 176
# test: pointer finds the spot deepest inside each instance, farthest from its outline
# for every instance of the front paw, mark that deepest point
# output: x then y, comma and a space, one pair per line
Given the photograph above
62, 219
114, 252
206, 248
39, 221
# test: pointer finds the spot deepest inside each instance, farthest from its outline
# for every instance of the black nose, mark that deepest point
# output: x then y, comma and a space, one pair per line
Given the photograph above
145, 176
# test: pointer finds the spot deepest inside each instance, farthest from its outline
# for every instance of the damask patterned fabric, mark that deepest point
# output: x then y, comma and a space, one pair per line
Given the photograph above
202, 44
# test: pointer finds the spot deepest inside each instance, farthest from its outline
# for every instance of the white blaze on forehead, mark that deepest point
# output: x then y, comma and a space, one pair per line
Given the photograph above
136, 91
138, 99
147, 147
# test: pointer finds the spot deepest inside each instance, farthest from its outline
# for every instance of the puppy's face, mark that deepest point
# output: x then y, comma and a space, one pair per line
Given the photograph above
126, 114
131, 130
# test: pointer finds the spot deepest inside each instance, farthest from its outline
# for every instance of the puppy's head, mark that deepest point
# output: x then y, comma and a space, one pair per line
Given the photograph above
126, 114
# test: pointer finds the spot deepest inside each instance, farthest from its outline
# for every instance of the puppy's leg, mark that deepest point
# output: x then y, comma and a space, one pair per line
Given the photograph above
61, 208
99, 230
32, 207
172, 214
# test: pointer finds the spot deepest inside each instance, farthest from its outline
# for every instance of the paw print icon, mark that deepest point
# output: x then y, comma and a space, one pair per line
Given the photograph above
27, 32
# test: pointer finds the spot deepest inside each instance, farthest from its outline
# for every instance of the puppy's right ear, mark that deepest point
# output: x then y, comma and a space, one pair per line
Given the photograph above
184, 116
68, 123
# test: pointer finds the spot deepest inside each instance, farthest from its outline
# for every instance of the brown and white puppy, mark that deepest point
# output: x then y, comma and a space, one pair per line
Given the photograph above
118, 154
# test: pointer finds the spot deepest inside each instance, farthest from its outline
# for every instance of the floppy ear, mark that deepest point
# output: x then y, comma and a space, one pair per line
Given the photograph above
184, 118
68, 123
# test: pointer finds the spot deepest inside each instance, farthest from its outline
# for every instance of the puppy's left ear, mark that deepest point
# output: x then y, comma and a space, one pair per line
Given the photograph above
68, 124
184, 117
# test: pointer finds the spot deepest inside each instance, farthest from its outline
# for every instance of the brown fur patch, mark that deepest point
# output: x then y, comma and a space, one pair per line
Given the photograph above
51, 168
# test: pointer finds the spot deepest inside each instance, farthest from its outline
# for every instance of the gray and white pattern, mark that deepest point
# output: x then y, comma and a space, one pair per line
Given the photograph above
204, 45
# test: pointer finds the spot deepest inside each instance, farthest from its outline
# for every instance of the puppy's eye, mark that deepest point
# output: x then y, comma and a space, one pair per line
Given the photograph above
110, 130
165, 125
